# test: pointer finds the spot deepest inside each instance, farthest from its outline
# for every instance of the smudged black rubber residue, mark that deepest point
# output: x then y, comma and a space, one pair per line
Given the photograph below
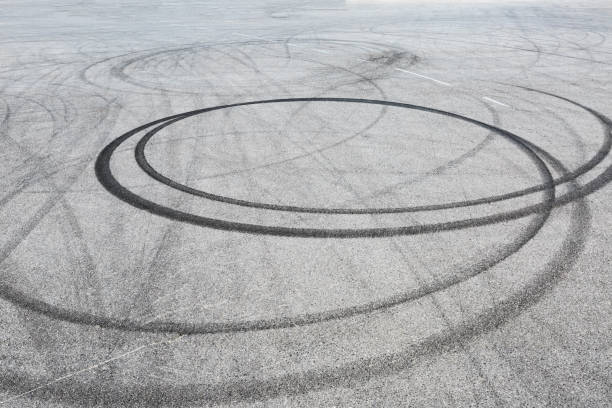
393, 57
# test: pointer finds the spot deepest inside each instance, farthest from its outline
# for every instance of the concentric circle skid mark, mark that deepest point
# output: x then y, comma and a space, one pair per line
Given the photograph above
145, 165
305, 319
102, 166
310, 380
108, 180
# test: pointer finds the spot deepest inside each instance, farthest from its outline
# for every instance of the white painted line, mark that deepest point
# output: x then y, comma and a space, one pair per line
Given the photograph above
296, 45
423, 76
364, 60
92, 367
486, 98
321, 51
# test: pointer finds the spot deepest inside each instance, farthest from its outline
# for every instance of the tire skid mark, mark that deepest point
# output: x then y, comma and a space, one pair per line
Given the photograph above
38, 332
306, 153
60, 313
57, 197
90, 318
515, 48
345, 375
106, 178
147, 168
314, 379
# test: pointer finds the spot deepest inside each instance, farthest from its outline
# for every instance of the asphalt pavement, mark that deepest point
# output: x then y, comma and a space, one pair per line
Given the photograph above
266, 203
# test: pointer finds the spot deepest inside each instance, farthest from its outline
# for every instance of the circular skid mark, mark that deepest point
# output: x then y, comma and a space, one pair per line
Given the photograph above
108, 180
343, 375
103, 172
183, 59
346, 374
149, 169
305, 152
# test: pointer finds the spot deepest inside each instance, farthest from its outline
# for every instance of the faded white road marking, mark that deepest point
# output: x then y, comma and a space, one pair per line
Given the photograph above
65, 377
486, 98
423, 76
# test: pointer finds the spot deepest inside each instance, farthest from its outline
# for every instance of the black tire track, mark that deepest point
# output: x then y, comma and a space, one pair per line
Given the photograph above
277, 162
86, 318
118, 70
346, 375
105, 177
60, 313
230, 393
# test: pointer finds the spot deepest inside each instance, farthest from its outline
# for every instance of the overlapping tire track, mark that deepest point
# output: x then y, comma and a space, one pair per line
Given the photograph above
349, 374
190, 328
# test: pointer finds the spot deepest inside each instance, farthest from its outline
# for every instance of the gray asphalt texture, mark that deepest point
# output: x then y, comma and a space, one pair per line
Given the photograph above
318, 203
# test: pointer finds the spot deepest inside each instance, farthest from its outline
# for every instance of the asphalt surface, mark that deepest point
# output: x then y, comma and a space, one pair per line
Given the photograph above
323, 203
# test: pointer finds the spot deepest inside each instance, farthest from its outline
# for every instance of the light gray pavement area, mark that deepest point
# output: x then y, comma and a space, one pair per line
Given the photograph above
305, 204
